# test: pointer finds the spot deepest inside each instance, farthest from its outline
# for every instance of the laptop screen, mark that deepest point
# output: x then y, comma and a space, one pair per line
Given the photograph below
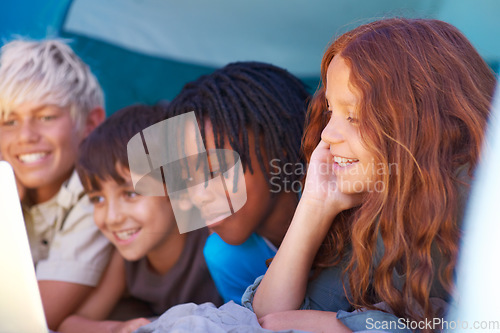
20, 303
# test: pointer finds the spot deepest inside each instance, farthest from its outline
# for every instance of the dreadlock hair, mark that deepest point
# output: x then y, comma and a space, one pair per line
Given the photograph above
250, 96
106, 145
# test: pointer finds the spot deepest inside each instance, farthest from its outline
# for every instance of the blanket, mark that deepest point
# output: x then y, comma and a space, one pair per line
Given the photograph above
206, 318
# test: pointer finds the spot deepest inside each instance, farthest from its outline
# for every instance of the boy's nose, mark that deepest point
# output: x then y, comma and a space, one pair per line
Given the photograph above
201, 194
114, 214
28, 132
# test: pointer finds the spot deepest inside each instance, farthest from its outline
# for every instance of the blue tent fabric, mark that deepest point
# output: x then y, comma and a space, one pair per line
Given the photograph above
31, 18
287, 33
129, 77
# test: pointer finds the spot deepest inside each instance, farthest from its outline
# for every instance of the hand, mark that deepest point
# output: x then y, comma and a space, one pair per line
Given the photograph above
321, 183
130, 325
305, 320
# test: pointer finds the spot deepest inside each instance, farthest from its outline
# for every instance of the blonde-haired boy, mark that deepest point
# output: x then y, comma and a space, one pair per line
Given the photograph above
49, 102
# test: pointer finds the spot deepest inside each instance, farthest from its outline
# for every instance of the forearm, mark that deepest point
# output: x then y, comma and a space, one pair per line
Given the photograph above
284, 285
61, 299
78, 324
306, 320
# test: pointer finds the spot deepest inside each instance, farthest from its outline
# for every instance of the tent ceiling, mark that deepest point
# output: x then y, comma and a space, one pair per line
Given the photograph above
289, 33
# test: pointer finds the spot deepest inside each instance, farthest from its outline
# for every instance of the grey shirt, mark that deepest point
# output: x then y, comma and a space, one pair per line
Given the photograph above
187, 281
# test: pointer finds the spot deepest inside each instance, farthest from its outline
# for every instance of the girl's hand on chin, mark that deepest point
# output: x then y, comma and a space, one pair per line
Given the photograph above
321, 183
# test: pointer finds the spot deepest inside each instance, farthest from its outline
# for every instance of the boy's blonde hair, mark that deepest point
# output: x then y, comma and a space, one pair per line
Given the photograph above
47, 72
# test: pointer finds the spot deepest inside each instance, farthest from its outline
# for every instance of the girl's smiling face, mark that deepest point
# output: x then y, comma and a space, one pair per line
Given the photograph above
353, 163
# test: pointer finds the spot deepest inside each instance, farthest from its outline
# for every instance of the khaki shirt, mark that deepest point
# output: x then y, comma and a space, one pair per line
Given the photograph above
65, 243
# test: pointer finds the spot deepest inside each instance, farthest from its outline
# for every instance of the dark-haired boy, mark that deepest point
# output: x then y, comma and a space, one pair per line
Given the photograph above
153, 262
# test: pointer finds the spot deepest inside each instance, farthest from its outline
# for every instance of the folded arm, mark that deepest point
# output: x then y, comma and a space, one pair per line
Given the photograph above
89, 316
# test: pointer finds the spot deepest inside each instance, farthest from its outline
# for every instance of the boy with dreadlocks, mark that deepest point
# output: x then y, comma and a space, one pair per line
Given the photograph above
256, 110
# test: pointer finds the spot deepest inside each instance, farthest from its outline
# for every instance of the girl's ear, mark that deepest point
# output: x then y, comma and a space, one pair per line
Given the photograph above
94, 118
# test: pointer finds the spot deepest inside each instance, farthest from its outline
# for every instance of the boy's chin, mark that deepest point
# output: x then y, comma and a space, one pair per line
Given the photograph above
130, 256
229, 237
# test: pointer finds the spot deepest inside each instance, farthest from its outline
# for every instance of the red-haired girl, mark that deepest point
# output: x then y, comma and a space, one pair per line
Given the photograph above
393, 137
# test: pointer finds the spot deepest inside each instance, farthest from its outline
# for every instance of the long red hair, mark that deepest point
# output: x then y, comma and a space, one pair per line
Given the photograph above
425, 95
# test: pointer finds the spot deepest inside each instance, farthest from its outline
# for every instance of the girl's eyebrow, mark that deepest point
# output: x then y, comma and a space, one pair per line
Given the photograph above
347, 102
343, 102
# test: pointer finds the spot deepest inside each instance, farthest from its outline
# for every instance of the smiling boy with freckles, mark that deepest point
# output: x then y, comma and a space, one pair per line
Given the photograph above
49, 102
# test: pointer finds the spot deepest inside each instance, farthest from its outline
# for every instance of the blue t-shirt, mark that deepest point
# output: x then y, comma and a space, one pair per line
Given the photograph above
235, 267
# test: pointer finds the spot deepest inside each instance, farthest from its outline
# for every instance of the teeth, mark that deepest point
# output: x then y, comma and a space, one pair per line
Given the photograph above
342, 161
124, 235
30, 158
